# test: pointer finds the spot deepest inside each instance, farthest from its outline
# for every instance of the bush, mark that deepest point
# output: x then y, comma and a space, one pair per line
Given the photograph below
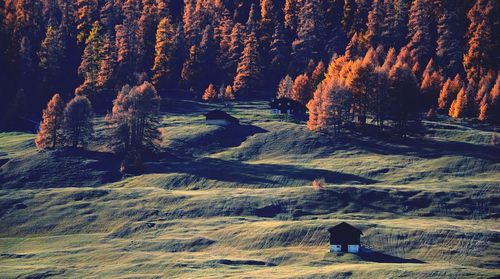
318, 183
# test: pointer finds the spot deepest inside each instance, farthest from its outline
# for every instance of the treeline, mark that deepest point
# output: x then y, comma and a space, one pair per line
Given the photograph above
94, 47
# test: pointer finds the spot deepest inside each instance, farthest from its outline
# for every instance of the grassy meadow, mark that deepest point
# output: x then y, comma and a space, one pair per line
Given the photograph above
238, 202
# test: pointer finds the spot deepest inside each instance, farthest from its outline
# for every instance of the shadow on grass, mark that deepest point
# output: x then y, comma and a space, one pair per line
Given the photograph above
62, 167
263, 174
425, 148
215, 140
378, 257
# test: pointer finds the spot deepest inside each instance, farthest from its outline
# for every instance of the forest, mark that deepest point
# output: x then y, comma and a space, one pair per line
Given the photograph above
226, 138
383, 59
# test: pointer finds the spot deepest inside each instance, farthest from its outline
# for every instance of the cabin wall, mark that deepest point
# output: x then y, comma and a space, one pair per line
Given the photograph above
353, 248
335, 248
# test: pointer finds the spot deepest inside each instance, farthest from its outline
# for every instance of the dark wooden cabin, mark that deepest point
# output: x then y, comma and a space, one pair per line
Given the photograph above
287, 106
345, 238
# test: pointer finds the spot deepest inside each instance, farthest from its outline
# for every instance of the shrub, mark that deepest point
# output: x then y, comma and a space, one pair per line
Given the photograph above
318, 183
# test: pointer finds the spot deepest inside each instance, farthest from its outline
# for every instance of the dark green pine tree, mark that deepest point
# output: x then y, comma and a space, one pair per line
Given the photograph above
309, 36
51, 57
420, 44
449, 45
375, 24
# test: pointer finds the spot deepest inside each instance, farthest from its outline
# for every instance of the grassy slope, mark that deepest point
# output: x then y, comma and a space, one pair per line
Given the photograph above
199, 210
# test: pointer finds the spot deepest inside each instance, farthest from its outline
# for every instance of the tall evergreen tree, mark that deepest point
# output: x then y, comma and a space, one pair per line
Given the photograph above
480, 55
402, 96
191, 68
51, 58
49, 135
309, 35
248, 71
449, 45
375, 24
78, 127
449, 92
302, 89
135, 119
85, 18
163, 72
420, 38
278, 54
291, 10
235, 49
91, 61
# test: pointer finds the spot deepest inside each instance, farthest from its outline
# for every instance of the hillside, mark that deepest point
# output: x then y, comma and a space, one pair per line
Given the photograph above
238, 202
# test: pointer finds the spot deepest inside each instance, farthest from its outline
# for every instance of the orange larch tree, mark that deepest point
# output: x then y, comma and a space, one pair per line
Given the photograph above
210, 94
49, 135
302, 89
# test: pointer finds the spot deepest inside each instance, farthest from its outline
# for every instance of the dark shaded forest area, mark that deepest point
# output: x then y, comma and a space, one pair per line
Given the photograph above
420, 55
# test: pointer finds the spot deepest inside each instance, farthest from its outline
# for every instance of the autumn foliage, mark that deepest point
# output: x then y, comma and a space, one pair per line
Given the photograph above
181, 47
210, 94
50, 128
135, 119
78, 122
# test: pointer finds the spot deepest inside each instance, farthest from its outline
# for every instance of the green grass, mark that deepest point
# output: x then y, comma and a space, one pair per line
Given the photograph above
16, 144
197, 211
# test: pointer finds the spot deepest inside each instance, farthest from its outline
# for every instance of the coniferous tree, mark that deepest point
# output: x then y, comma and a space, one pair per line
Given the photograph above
449, 46
146, 34
481, 43
135, 119
164, 51
109, 14
485, 85
49, 135
248, 71
356, 47
85, 18
207, 53
375, 24
458, 108
228, 93
210, 94
191, 70
235, 49
106, 77
419, 36
361, 82
78, 126
285, 88
348, 15
490, 105
223, 38
432, 82
390, 60
127, 50
402, 96
449, 92
336, 39
51, 58
278, 53
309, 35
91, 61
302, 89
291, 10
266, 23
318, 74
329, 108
